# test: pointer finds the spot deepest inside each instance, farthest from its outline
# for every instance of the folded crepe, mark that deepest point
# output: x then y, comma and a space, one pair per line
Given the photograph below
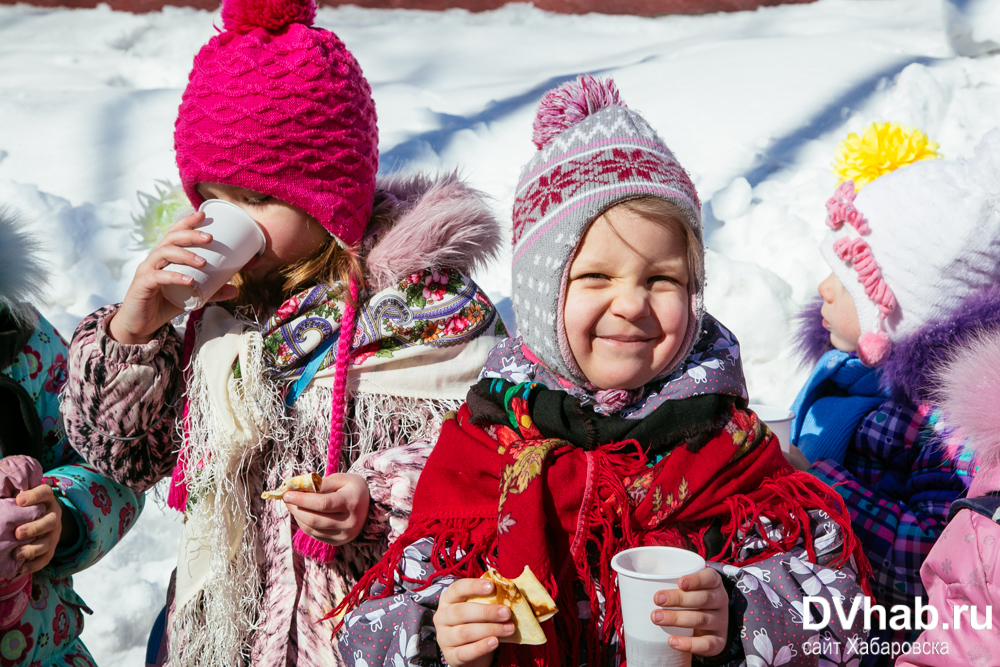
310, 482
530, 604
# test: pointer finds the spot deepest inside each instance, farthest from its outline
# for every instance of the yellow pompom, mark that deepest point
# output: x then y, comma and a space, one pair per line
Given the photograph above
881, 148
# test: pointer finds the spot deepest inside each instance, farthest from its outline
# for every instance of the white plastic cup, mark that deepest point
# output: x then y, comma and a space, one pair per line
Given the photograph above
779, 420
641, 573
236, 239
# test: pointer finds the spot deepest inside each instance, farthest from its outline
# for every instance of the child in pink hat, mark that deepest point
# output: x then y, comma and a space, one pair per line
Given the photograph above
338, 350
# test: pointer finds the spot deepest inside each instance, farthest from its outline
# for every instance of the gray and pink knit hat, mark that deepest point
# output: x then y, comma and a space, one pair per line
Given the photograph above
278, 106
593, 153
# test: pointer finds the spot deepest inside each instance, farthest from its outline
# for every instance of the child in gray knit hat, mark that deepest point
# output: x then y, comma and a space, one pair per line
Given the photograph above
617, 419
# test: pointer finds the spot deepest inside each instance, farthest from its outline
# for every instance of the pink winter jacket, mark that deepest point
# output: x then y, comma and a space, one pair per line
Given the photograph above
963, 569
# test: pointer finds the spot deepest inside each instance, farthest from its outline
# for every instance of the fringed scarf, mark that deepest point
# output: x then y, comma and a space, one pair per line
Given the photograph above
504, 492
239, 384
430, 309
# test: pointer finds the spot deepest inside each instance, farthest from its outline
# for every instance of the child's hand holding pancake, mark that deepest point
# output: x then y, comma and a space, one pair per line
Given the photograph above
470, 635
469, 632
336, 513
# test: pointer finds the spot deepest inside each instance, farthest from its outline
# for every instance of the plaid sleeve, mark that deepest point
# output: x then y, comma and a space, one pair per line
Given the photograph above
898, 483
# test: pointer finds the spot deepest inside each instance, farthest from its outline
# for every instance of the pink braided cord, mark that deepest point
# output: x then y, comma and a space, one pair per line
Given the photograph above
840, 209
858, 252
308, 546
347, 325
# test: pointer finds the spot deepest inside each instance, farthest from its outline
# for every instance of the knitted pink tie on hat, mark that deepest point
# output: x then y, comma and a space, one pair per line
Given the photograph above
308, 546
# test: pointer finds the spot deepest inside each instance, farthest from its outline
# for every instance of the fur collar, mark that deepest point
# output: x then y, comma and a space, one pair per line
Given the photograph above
909, 370
22, 275
812, 341
433, 222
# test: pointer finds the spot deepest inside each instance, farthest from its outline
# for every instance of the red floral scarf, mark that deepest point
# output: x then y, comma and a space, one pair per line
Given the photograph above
520, 498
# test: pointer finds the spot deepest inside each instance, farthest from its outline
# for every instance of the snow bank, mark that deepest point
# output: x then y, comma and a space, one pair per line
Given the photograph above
973, 26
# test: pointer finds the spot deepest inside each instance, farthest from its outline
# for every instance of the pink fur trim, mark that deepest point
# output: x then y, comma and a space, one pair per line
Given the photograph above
445, 224
969, 393
570, 103
874, 348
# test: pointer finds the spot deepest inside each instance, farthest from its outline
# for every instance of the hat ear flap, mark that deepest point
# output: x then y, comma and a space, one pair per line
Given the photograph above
874, 348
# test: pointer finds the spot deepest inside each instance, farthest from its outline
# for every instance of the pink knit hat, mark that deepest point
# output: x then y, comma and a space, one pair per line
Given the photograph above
277, 106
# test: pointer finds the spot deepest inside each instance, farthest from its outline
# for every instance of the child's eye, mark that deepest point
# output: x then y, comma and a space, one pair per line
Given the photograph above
663, 279
258, 202
592, 276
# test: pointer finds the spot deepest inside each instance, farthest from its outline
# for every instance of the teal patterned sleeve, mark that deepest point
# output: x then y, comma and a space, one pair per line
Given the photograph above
104, 512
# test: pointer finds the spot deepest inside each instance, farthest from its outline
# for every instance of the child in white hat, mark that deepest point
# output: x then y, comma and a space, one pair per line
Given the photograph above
915, 259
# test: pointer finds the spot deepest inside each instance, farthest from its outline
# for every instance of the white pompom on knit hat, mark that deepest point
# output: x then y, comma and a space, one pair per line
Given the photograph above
915, 243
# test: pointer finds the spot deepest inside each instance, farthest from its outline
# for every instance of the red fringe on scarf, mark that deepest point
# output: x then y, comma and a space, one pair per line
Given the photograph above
466, 537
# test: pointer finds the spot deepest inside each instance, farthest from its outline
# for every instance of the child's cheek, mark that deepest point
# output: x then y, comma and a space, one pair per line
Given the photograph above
578, 322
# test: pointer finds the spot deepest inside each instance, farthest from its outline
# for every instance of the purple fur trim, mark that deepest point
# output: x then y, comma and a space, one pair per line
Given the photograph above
443, 223
567, 105
909, 371
811, 340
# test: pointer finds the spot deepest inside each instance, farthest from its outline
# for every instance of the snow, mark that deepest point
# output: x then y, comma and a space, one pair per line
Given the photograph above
752, 103
972, 26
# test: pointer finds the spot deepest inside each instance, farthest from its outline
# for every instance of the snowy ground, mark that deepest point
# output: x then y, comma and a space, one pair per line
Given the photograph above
752, 103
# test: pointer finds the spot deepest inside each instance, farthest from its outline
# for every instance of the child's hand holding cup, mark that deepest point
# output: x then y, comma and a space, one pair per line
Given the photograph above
648, 579
189, 267
236, 239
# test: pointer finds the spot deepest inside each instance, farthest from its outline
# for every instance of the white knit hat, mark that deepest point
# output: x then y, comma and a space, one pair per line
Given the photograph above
914, 243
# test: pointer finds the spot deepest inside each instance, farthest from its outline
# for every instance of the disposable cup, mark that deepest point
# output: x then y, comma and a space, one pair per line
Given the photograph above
641, 573
236, 239
779, 420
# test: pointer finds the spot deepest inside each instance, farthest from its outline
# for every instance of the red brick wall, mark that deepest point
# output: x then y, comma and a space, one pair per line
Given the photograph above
640, 7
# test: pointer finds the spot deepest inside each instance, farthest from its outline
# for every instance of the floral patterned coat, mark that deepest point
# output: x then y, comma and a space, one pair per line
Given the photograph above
48, 633
123, 405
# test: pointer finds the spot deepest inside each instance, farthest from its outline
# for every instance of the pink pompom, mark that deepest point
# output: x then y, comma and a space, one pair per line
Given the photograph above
242, 16
570, 103
874, 348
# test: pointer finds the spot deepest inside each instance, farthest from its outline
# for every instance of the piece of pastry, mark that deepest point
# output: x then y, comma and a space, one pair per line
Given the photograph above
310, 482
529, 603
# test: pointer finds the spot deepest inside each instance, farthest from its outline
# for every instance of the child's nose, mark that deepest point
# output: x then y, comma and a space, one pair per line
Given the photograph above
631, 303
826, 288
